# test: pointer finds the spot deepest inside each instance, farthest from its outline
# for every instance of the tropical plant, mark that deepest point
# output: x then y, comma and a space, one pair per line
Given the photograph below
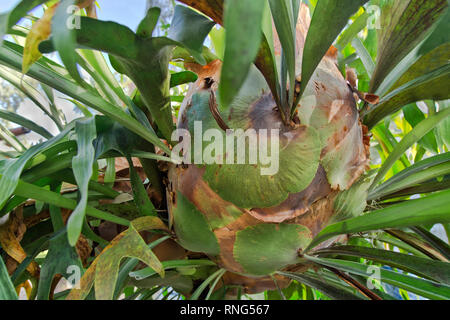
108, 198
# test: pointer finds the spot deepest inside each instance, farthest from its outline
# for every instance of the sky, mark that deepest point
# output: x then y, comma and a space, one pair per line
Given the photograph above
129, 12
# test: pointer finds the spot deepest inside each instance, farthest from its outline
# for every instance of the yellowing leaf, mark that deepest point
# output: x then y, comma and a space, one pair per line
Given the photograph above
10, 242
127, 244
39, 32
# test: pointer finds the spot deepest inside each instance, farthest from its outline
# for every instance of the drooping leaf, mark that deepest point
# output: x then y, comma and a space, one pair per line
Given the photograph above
172, 264
61, 259
430, 209
40, 31
31, 191
423, 80
426, 288
13, 169
82, 165
421, 171
331, 290
16, 118
11, 55
432, 269
409, 139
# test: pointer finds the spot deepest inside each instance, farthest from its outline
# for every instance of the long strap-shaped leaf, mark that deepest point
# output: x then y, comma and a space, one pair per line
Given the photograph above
332, 290
419, 172
431, 209
425, 288
30, 191
9, 19
329, 18
16, 118
38, 71
408, 140
404, 25
433, 269
240, 51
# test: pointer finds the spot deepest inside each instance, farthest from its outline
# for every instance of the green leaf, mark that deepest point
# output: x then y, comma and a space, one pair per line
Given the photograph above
440, 34
421, 171
432, 269
82, 165
29, 91
266, 248
443, 128
351, 31
246, 187
414, 116
216, 275
9, 19
191, 227
423, 80
404, 25
24, 122
64, 37
61, 259
430, 209
240, 52
182, 77
425, 288
285, 24
408, 140
12, 56
7, 291
171, 264
352, 202
329, 18
14, 167
30, 191
141, 198
148, 24
127, 244
364, 56
337, 292
434, 241
190, 29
